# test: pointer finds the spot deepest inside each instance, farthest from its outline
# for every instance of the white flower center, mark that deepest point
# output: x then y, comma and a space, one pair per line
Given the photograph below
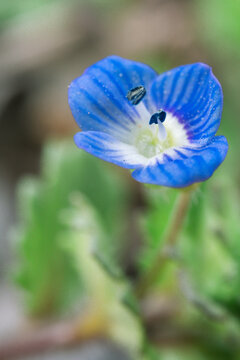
148, 143
149, 139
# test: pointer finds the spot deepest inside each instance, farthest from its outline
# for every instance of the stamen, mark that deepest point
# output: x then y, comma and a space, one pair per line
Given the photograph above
159, 115
136, 94
158, 118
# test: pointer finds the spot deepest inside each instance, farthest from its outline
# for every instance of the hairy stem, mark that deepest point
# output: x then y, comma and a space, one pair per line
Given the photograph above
171, 238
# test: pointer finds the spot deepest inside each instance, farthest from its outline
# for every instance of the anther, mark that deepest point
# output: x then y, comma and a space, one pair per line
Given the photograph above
160, 115
158, 118
136, 94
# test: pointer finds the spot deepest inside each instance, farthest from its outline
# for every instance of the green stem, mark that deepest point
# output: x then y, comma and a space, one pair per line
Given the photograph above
171, 238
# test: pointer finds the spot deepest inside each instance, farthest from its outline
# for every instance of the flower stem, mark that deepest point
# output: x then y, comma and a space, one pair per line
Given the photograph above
175, 228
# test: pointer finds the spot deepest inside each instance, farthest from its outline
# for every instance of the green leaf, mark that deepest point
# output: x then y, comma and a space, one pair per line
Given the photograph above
45, 272
104, 295
191, 242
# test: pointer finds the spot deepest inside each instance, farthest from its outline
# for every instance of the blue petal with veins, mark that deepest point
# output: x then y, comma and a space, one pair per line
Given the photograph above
118, 131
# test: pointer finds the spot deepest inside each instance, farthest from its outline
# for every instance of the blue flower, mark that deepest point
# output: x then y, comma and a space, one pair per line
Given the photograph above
161, 126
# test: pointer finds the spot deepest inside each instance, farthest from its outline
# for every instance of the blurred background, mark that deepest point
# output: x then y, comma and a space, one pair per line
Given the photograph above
52, 207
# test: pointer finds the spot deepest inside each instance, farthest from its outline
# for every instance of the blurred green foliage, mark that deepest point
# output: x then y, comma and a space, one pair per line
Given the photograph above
155, 222
220, 25
70, 233
15, 8
46, 272
11, 10
105, 296
204, 274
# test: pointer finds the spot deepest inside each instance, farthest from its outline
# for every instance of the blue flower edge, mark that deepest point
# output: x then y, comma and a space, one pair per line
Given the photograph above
197, 167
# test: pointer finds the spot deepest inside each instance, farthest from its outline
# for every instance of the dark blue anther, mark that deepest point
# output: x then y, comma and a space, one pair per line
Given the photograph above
159, 115
136, 94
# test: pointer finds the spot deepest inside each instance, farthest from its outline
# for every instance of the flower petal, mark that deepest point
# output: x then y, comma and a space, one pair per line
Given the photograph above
193, 165
98, 98
193, 94
109, 149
